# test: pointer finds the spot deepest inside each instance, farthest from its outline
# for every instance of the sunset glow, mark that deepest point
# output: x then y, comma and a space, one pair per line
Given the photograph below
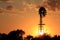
40, 32
23, 14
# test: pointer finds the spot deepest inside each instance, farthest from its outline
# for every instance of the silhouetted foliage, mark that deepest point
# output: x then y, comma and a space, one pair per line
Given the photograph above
29, 37
18, 35
46, 37
3, 36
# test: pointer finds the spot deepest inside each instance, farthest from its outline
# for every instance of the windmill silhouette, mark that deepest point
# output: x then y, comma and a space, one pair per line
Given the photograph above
42, 13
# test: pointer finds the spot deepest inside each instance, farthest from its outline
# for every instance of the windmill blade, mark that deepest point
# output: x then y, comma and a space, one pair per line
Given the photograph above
42, 11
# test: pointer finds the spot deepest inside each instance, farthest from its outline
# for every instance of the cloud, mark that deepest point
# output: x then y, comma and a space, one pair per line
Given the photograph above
5, 0
24, 6
6, 4
1, 10
52, 4
10, 7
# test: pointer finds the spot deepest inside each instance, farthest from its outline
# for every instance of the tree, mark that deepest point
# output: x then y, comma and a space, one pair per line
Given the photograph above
16, 35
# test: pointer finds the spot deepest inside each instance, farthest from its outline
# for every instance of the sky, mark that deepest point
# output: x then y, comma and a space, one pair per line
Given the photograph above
23, 14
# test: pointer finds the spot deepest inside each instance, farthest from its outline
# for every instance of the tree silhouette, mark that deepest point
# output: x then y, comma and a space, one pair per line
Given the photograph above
29, 37
16, 35
3, 36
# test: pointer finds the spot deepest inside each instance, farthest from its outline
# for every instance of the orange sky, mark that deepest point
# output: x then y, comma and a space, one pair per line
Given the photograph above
23, 14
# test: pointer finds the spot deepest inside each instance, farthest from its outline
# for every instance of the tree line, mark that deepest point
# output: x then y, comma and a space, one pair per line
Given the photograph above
18, 35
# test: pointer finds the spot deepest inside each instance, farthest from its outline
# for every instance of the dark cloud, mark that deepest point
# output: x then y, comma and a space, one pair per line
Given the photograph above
9, 7
37, 2
53, 4
5, 4
1, 10
4, 0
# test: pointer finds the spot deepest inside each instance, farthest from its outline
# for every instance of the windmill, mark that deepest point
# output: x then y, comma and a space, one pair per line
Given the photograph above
42, 13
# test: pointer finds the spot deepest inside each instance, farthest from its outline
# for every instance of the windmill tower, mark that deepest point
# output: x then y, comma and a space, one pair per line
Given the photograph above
42, 13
